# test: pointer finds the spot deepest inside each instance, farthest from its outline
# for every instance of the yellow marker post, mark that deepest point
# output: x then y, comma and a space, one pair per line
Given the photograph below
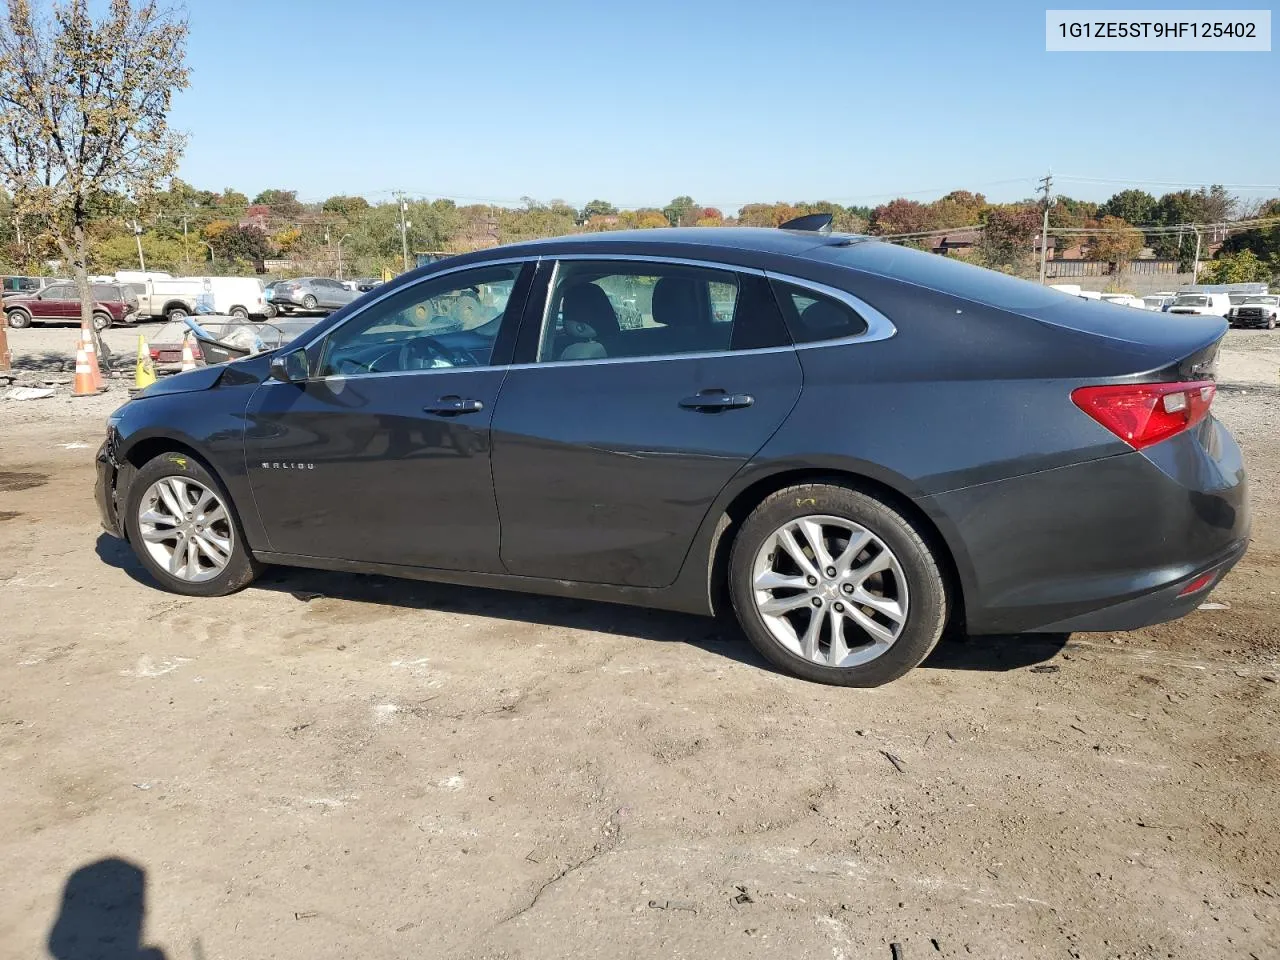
144, 374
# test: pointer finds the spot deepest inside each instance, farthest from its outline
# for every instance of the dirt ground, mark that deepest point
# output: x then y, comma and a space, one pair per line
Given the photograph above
331, 766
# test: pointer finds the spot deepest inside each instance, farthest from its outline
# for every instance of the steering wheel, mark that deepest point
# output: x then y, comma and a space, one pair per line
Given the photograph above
421, 353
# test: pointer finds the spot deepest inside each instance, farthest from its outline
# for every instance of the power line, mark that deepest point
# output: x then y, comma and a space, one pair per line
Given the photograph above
1170, 183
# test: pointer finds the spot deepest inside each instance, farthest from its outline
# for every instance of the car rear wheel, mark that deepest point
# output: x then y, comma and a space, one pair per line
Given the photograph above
183, 527
101, 321
177, 314
836, 586
19, 319
309, 302
240, 313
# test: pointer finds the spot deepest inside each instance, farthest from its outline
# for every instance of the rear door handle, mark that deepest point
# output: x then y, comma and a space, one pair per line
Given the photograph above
452, 406
713, 401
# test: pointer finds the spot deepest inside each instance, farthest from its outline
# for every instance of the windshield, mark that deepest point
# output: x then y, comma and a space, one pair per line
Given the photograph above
1191, 300
1272, 301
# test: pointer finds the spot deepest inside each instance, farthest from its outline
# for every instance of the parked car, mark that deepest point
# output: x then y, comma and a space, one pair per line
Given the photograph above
876, 442
165, 345
312, 293
1255, 310
1202, 304
1159, 301
113, 303
365, 284
13, 286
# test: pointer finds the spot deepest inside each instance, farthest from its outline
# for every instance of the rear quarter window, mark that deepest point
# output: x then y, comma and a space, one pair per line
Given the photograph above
812, 317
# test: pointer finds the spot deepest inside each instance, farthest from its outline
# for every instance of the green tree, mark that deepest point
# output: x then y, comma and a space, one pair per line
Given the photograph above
241, 243
344, 206
84, 107
283, 203
681, 212
120, 252
1264, 241
599, 208
1132, 206
1242, 267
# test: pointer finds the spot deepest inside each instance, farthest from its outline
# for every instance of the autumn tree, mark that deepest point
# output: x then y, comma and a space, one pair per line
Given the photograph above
1116, 243
283, 203
84, 106
1008, 232
681, 212
903, 216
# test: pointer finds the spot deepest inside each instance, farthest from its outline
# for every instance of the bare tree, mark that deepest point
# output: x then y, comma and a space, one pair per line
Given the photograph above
84, 108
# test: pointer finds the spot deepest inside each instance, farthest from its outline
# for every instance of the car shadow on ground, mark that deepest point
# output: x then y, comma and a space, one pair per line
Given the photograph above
956, 651
101, 918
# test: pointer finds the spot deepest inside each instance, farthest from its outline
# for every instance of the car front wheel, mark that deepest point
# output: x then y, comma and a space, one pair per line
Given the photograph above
183, 527
836, 586
19, 319
309, 302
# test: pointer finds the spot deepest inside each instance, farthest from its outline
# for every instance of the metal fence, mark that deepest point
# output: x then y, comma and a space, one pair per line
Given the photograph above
1101, 268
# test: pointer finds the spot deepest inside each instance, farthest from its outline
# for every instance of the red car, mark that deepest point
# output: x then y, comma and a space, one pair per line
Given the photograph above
113, 303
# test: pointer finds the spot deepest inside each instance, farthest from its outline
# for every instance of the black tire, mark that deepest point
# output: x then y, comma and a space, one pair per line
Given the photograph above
240, 313
270, 312
1271, 323
101, 321
177, 314
927, 590
19, 319
241, 569
309, 302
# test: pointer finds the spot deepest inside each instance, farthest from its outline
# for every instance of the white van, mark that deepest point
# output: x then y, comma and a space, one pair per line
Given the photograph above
1204, 304
233, 296
141, 276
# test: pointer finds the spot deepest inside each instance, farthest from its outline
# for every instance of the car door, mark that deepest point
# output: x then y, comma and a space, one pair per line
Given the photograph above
383, 454
646, 386
58, 302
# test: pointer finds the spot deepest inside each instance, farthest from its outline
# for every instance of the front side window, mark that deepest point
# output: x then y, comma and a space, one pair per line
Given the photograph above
610, 309
438, 323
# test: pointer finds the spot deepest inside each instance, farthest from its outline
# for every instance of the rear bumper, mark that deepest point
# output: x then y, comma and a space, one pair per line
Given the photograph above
1102, 545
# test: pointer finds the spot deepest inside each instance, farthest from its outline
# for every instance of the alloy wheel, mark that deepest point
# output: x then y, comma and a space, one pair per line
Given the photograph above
830, 590
186, 528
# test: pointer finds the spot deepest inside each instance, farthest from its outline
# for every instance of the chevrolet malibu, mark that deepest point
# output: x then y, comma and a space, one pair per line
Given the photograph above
848, 444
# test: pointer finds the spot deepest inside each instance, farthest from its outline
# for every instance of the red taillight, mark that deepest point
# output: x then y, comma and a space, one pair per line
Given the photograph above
155, 353
1141, 414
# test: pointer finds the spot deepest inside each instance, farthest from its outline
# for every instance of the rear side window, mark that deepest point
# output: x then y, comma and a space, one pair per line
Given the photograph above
812, 317
616, 309
105, 291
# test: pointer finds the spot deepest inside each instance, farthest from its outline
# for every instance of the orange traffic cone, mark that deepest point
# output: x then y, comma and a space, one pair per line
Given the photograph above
84, 385
91, 354
188, 355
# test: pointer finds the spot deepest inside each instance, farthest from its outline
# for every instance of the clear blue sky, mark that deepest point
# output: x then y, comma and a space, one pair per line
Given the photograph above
726, 100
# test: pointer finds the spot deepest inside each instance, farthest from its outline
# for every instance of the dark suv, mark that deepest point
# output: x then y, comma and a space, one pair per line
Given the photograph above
113, 303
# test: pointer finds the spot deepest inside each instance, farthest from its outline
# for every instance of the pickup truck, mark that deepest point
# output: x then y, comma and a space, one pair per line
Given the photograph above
171, 299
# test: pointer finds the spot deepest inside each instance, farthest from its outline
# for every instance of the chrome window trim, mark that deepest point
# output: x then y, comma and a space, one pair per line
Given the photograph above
409, 286
879, 327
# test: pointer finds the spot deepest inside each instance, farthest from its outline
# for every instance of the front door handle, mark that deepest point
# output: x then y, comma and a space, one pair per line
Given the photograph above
713, 401
452, 406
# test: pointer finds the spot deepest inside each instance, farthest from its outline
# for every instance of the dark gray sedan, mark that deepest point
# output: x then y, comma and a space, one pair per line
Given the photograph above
849, 444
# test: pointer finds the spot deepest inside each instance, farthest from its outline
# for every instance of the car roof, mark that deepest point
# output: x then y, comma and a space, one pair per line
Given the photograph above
757, 239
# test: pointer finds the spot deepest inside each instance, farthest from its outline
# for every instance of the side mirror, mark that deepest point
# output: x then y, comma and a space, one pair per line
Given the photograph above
291, 367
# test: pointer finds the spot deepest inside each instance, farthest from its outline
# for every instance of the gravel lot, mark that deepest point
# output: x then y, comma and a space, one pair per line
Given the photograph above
331, 766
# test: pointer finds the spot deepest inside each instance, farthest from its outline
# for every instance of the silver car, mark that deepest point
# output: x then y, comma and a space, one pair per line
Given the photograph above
311, 293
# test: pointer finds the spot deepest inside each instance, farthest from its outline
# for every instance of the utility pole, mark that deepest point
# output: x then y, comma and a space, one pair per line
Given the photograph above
404, 233
186, 253
137, 236
1195, 264
1046, 184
